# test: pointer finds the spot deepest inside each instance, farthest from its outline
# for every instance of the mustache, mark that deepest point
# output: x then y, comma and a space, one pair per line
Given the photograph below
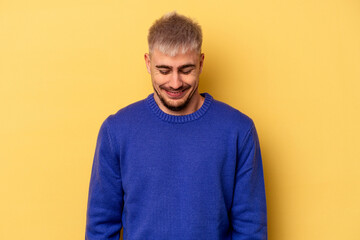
170, 89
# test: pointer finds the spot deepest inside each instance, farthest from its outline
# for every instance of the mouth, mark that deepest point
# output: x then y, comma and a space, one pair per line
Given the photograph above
176, 94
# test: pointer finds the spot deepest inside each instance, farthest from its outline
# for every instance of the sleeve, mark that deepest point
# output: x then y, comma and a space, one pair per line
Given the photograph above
248, 212
105, 201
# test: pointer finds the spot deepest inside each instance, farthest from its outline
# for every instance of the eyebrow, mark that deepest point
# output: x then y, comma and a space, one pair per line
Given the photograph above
187, 66
163, 66
181, 67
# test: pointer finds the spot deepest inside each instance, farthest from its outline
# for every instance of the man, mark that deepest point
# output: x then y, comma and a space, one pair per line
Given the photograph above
178, 164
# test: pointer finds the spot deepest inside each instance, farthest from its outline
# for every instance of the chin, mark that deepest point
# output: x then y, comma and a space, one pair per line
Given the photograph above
175, 107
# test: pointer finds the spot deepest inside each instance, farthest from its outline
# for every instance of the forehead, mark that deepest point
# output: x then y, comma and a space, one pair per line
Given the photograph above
189, 57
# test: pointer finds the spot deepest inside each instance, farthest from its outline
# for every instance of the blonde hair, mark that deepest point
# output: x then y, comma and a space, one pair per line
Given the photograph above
173, 33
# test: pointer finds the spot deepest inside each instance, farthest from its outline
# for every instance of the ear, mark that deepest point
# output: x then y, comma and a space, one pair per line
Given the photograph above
147, 62
201, 61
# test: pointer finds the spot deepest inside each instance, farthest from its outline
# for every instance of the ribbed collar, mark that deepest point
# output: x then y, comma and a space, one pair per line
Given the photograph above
183, 118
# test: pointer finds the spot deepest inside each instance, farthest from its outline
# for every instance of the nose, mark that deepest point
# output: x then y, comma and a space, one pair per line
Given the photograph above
175, 81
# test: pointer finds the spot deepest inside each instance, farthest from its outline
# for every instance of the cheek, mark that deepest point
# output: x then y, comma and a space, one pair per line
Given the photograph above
159, 79
191, 79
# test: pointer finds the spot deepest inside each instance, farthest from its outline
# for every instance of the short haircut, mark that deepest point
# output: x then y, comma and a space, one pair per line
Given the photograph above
173, 33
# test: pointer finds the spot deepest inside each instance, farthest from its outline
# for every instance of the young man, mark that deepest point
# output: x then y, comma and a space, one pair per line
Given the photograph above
178, 164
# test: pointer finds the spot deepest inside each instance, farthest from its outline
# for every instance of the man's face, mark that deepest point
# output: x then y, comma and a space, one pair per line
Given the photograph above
175, 80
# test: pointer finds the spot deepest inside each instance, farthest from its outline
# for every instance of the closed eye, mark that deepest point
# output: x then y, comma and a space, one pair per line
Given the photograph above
163, 69
164, 72
186, 70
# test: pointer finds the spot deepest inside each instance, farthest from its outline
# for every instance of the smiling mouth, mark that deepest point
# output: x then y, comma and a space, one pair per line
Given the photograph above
175, 94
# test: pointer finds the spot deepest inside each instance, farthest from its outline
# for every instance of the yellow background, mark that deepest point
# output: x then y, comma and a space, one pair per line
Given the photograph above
293, 66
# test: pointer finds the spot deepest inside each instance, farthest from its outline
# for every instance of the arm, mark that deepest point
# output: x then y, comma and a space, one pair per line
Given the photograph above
248, 213
105, 200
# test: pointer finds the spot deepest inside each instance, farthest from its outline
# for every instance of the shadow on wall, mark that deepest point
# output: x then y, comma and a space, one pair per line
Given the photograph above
270, 153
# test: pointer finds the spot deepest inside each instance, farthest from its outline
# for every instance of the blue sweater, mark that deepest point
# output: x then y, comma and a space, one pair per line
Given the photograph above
160, 176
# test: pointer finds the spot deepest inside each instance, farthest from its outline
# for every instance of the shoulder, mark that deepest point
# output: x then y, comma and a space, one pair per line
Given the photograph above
129, 115
234, 122
230, 116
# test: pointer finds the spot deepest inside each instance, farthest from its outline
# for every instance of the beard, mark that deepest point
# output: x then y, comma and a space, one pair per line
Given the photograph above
172, 107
